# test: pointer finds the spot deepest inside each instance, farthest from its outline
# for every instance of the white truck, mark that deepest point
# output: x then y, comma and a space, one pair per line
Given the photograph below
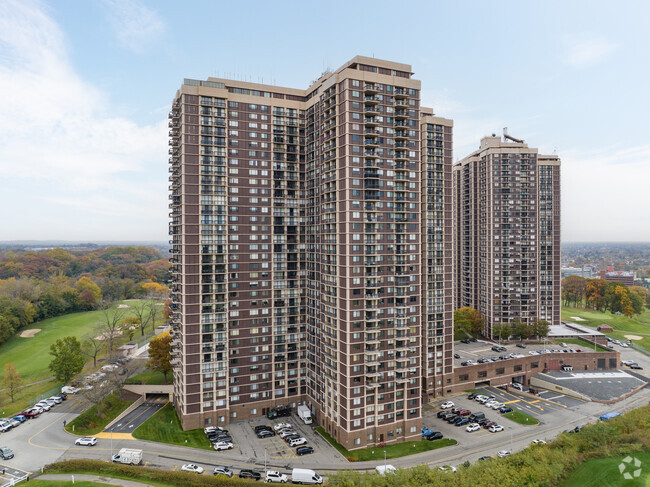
305, 476
305, 414
384, 469
128, 456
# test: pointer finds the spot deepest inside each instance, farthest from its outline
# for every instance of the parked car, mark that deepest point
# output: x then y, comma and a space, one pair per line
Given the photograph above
56, 399
467, 363
250, 474
291, 437
43, 405
222, 470
636, 367
472, 395
434, 436
464, 412
304, 450
6, 453
297, 442
505, 410
504, 453
262, 427
495, 428
453, 418
464, 340
484, 459
221, 439
20, 418
498, 348
472, 427
288, 432
442, 413
517, 385
214, 429
456, 355
273, 476
447, 468
223, 445
281, 426
427, 431
497, 405
86, 441
521, 345
31, 413
447, 405
538, 442
190, 467
462, 422
265, 434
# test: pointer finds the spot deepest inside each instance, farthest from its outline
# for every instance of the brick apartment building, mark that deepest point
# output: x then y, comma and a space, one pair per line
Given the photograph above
312, 251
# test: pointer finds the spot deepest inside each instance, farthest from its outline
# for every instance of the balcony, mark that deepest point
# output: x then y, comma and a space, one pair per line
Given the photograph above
370, 88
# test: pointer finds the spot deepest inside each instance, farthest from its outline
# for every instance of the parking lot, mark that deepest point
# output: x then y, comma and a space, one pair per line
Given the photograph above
275, 448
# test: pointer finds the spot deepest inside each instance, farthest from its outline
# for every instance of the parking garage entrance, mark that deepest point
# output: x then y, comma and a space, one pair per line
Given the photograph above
484, 383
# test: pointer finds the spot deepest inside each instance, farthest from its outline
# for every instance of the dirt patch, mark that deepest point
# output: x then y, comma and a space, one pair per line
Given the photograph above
577, 318
123, 306
633, 337
29, 333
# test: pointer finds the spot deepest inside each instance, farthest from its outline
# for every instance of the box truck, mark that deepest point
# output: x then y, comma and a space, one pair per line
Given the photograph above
128, 456
305, 414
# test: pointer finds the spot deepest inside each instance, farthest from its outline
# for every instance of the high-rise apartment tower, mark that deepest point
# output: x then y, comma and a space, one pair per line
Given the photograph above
311, 239
507, 233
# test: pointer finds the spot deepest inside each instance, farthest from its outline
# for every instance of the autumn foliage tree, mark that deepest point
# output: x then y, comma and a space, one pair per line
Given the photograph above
68, 358
11, 380
467, 322
160, 355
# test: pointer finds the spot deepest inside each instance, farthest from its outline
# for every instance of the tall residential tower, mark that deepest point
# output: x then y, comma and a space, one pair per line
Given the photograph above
507, 233
311, 239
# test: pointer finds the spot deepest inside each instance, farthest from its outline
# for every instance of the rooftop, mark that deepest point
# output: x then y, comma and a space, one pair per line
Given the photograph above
598, 385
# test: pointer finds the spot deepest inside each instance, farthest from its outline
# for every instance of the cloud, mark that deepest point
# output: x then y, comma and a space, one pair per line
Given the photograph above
136, 26
60, 147
584, 53
601, 194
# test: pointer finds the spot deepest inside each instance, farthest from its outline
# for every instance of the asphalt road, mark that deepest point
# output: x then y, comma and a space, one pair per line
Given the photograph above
139, 415
42, 440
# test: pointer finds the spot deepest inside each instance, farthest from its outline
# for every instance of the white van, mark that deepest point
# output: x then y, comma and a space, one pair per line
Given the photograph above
298, 442
305, 476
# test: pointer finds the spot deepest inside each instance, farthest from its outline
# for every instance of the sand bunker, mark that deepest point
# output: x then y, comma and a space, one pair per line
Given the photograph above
123, 306
29, 333
633, 337
577, 318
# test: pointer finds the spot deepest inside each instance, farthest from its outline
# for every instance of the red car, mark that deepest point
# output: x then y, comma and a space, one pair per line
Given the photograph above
31, 413
487, 424
464, 412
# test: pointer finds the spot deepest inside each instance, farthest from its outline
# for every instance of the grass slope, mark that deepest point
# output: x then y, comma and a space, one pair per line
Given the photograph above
609, 474
165, 427
392, 451
90, 423
63, 483
150, 377
520, 417
622, 325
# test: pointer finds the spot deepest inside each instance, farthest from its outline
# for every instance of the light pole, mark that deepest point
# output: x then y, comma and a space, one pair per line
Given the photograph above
264, 461
111, 444
385, 463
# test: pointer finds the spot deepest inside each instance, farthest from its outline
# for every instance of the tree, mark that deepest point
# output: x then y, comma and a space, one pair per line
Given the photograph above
573, 290
522, 329
93, 345
154, 312
68, 358
11, 380
141, 310
110, 326
467, 322
541, 328
160, 355
595, 294
85, 283
501, 330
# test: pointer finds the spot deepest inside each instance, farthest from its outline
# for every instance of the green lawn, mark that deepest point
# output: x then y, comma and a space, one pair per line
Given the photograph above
622, 325
165, 427
392, 451
520, 417
150, 377
608, 474
90, 423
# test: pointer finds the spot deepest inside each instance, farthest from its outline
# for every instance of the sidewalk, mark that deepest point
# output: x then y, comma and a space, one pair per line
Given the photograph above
90, 478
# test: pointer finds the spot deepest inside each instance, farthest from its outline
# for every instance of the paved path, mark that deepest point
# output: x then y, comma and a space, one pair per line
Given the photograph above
91, 478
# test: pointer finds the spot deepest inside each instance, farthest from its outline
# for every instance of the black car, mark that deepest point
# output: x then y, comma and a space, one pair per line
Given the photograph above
291, 437
262, 427
464, 341
445, 417
62, 395
635, 367
482, 421
472, 395
434, 436
453, 418
472, 339
483, 459
304, 450
250, 474
456, 355
265, 434
442, 413
214, 440
521, 345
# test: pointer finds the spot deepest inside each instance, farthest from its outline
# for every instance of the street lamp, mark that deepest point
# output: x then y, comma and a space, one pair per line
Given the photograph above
265, 461
385, 462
